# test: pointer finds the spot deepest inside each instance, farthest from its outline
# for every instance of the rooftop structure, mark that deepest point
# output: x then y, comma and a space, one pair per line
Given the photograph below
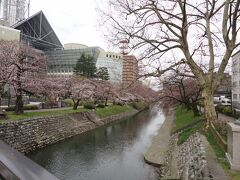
37, 31
13, 11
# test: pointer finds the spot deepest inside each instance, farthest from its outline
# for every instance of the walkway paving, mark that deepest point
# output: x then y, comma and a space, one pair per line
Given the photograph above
156, 153
215, 169
52, 109
225, 118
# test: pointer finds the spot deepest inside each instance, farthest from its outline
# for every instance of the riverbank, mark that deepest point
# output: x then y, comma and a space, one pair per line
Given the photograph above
187, 153
159, 147
34, 133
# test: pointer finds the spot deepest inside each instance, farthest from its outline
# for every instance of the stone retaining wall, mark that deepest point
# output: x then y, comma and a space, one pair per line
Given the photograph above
30, 134
186, 161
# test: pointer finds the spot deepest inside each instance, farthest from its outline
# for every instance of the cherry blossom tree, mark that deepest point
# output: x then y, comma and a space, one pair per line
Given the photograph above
24, 63
180, 89
202, 34
80, 89
6, 69
49, 88
104, 91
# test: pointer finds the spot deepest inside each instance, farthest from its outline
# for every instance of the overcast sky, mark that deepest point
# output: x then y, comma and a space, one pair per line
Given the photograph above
74, 21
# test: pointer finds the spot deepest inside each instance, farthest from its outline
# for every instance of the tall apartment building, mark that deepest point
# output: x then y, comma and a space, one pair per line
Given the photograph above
13, 11
130, 69
236, 80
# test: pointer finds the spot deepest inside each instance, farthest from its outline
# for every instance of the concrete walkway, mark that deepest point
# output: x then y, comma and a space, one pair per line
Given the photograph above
214, 168
52, 109
156, 153
225, 118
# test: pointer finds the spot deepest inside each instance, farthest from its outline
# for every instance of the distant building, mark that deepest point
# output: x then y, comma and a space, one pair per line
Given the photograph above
61, 63
130, 69
225, 86
13, 11
9, 34
61, 60
114, 63
236, 80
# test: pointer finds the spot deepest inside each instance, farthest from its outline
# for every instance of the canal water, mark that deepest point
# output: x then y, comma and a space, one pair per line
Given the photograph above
112, 152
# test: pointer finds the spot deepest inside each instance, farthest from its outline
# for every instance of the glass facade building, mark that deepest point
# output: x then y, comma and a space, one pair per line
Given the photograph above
61, 63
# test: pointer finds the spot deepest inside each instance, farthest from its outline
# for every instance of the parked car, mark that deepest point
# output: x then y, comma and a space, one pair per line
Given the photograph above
226, 102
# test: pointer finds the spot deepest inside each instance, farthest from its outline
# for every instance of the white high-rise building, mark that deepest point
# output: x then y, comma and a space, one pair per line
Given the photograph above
13, 11
236, 80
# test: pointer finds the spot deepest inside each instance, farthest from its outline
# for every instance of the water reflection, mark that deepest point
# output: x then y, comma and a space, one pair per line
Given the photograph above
113, 152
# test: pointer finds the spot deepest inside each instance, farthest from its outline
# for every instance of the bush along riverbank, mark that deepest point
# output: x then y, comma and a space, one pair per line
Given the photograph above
189, 154
37, 132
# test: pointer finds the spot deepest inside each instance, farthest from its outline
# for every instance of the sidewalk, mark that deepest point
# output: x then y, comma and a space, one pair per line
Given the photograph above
53, 109
225, 118
214, 167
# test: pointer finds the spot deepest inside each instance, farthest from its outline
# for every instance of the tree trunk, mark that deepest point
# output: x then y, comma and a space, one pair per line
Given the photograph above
75, 104
209, 109
19, 104
195, 110
106, 101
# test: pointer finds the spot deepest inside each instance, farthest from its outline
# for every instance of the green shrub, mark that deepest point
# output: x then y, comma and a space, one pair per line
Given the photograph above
118, 102
26, 107
68, 102
89, 105
138, 105
219, 108
101, 105
227, 110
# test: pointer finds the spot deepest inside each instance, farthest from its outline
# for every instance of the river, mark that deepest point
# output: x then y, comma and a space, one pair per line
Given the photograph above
112, 152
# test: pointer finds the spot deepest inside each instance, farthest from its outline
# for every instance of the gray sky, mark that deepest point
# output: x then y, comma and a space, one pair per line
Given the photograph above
74, 21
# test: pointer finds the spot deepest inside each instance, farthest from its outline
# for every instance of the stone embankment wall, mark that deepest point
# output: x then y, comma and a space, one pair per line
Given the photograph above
186, 161
30, 134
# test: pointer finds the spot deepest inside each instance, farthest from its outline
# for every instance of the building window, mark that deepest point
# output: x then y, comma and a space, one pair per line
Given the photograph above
107, 55
234, 84
235, 96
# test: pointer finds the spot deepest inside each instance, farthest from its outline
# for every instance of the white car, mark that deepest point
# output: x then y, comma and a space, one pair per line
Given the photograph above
226, 102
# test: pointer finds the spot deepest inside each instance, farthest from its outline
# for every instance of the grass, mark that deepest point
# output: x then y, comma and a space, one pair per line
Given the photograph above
100, 112
234, 175
184, 117
14, 117
182, 137
111, 110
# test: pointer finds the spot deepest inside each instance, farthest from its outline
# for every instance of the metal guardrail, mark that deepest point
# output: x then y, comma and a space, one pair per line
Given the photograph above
16, 166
